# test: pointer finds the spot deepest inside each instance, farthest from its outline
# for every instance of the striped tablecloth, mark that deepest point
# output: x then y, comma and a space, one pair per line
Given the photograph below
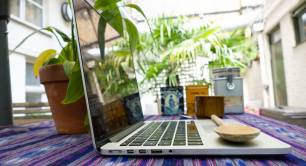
39, 144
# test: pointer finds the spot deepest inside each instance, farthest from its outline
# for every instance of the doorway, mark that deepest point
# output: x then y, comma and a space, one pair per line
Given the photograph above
278, 71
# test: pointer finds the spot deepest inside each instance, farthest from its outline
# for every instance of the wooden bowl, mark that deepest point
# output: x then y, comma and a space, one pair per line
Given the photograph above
237, 133
234, 132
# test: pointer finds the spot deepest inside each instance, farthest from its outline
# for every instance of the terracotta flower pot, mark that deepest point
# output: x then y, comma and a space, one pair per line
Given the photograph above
68, 118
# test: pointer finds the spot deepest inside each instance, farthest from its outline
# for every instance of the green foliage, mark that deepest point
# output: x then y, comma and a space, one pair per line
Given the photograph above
114, 71
112, 15
169, 44
133, 34
116, 77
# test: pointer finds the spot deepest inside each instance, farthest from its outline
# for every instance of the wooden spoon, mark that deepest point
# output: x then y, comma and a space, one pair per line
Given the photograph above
234, 132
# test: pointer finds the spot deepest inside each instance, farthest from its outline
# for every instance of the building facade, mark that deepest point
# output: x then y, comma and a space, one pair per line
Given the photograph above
28, 16
283, 53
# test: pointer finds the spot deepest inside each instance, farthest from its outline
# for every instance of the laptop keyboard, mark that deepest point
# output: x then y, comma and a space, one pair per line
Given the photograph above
166, 134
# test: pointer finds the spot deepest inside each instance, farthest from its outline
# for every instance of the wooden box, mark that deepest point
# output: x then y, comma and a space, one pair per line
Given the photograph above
191, 92
205, 106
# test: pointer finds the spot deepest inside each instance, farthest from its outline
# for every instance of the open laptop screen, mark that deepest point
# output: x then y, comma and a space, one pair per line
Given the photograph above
110, 81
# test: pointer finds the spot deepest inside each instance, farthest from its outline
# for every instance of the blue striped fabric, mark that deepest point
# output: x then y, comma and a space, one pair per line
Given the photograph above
39, 144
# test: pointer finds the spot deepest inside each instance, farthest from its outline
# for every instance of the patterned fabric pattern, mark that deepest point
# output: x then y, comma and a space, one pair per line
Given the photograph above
38, 144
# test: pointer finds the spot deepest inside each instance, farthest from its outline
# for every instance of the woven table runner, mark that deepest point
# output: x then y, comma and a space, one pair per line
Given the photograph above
39, 144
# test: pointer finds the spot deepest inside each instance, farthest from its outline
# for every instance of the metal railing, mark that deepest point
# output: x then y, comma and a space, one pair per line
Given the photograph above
31, 110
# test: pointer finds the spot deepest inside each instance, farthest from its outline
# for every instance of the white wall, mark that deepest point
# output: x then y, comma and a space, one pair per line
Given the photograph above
17, 30
17, 71
279, 13
182, 7
252, 87
170, 8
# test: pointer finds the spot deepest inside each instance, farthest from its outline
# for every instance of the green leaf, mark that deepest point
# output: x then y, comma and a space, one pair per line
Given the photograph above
114, 19
41, 59
53, 61
74, 45
101, 36
133, 34
121, 53
206, 33
136, 7
75, 88
68, 68
103, 4
62, 34
67, 52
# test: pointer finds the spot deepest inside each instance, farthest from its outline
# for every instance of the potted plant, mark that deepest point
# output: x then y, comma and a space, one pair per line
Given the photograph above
60, 74
60, 71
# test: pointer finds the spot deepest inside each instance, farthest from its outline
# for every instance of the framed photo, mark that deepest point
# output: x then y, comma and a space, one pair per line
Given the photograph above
172, 100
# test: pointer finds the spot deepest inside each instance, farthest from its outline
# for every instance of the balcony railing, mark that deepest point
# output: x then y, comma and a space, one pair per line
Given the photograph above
31, 110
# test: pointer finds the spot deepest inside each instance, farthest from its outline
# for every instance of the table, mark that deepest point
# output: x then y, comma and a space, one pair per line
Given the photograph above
39, 144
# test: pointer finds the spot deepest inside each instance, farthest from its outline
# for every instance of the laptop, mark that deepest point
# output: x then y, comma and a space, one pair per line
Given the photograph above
116, 120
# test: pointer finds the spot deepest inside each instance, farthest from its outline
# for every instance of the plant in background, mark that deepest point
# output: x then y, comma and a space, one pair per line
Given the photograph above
115, 71
111, 14
116, 74
172, 45
242, 50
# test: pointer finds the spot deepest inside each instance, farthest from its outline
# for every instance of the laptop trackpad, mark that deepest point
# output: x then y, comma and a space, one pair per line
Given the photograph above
212, 139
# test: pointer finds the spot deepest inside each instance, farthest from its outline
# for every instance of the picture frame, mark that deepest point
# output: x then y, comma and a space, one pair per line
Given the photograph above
172, 100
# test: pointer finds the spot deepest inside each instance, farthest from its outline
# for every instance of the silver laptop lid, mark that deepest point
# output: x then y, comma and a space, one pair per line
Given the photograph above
111, 89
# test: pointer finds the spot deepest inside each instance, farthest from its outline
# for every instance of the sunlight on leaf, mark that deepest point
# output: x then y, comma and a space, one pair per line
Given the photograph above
133, 34
41, 59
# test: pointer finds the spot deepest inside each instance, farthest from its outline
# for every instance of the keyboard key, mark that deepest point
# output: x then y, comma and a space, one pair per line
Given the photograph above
135, 144
176, 143
154, 138
195, 143
194, 139
139, 140
194, 135
165, 143
179, 139
150, 143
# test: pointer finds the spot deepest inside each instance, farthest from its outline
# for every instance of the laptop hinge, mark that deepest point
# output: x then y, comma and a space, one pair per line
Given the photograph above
126, 132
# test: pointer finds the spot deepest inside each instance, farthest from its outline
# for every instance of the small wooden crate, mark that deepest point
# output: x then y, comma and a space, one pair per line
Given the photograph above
191, 92
205, 106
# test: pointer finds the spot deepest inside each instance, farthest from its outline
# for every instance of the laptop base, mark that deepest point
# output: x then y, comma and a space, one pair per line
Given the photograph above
212, 145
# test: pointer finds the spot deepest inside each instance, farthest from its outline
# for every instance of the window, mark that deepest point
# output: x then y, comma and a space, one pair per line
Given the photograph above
30, 78
33, 92
278, 69
33, 97
15, 7
300, 24
28, 10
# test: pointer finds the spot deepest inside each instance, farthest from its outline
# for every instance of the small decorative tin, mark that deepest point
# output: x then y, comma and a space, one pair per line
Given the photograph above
191, 92
224, 72
172, 100
230, 85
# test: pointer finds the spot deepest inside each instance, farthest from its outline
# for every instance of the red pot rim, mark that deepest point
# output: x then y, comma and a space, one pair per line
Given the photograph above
52, 73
